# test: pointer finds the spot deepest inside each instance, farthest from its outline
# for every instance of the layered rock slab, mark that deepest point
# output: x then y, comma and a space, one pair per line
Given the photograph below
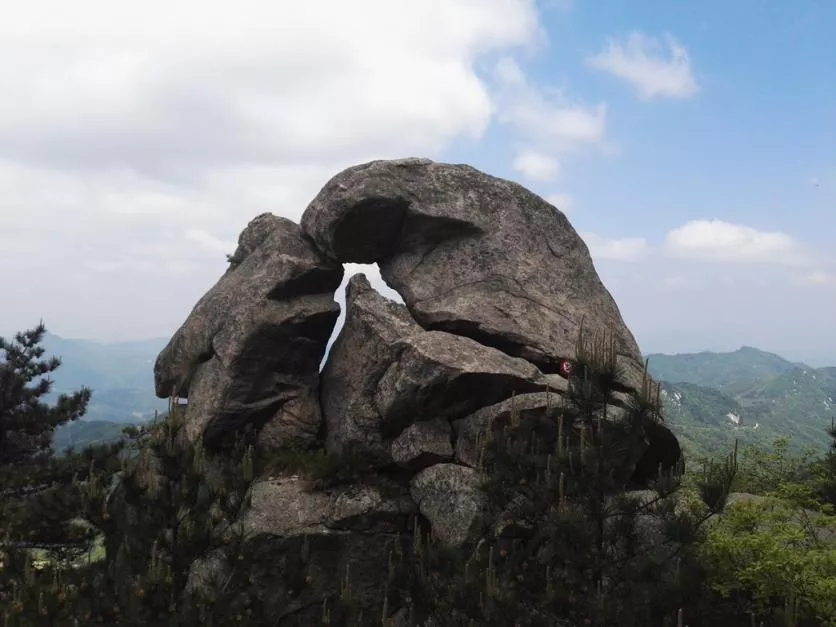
309, 545
540, 411
451, 498
472, 255
385, 375
249, 352
358, 359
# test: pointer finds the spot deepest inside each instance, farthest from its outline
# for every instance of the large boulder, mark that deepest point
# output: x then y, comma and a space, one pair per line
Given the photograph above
286, 507
357, 361
249, 352
309, 546
441, 375
385, 373
497, 286
474, 431
451, 498
472, 255
423, 444
538, 412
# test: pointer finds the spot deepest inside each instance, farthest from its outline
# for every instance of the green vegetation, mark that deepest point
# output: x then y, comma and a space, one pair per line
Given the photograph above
83, 433
775, 553
572, 549
120, 375
713, 399
744, 366
107, 535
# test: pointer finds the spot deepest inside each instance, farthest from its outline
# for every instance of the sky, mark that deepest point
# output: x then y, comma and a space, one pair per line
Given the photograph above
691, 144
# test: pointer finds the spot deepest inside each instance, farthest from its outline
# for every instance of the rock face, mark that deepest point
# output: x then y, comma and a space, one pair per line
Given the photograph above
344, 535
249, 352
385, 373
449, 496
497, 285
472, 255
360, 356
472, 431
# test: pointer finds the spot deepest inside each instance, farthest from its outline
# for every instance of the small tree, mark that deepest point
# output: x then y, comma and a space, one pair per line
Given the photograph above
158, 501
26, 422
173, 504
826, 488
41, 501
575, 547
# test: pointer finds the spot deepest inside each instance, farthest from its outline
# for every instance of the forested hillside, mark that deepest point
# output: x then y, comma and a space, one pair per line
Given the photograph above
711, 399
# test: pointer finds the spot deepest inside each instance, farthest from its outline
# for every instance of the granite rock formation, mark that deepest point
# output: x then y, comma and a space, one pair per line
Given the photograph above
496, 285
249, 352
472, 255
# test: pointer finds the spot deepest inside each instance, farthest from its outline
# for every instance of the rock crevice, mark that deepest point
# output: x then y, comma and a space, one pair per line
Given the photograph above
496, 285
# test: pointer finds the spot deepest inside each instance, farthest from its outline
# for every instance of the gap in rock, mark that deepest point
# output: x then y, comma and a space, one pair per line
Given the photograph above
372, 272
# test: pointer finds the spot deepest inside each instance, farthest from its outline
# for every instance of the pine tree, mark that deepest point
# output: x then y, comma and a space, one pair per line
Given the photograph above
26, 422
169, 504
61, 505
32, 509
571, 552
827, 483
172, 504
41, 500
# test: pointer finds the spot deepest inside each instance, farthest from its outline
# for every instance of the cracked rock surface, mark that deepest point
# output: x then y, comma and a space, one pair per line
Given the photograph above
249, 351
473, 255
496, 285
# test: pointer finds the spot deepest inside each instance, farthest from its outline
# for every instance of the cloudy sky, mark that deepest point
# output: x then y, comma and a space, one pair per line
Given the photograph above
693, 145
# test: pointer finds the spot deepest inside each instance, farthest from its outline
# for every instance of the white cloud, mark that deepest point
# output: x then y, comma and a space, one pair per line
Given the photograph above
677, 281
536, 166
620, 249
143, 136
265, 83
820, 278
722, 241
509, 73
209, 241
641, 61
564, 202
549, 120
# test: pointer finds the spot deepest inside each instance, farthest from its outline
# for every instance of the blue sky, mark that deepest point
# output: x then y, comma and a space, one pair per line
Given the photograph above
693, 146
754, 145
745, 147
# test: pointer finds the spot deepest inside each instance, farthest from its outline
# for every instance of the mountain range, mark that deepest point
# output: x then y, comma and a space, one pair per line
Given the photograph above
712, 399
709, 399
121, 375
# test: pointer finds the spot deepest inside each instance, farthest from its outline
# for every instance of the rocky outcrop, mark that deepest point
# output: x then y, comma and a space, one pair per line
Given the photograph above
449, 496
472, 255
423, 444
473, 431
385, 373
310, 545
497, 286
440, 375
306, 512
360, 356
249, 352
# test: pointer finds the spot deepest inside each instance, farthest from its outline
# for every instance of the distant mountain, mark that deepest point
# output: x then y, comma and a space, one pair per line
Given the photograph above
81, 433
121, 375
742, 367
800, 402
706, 420
711, 399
